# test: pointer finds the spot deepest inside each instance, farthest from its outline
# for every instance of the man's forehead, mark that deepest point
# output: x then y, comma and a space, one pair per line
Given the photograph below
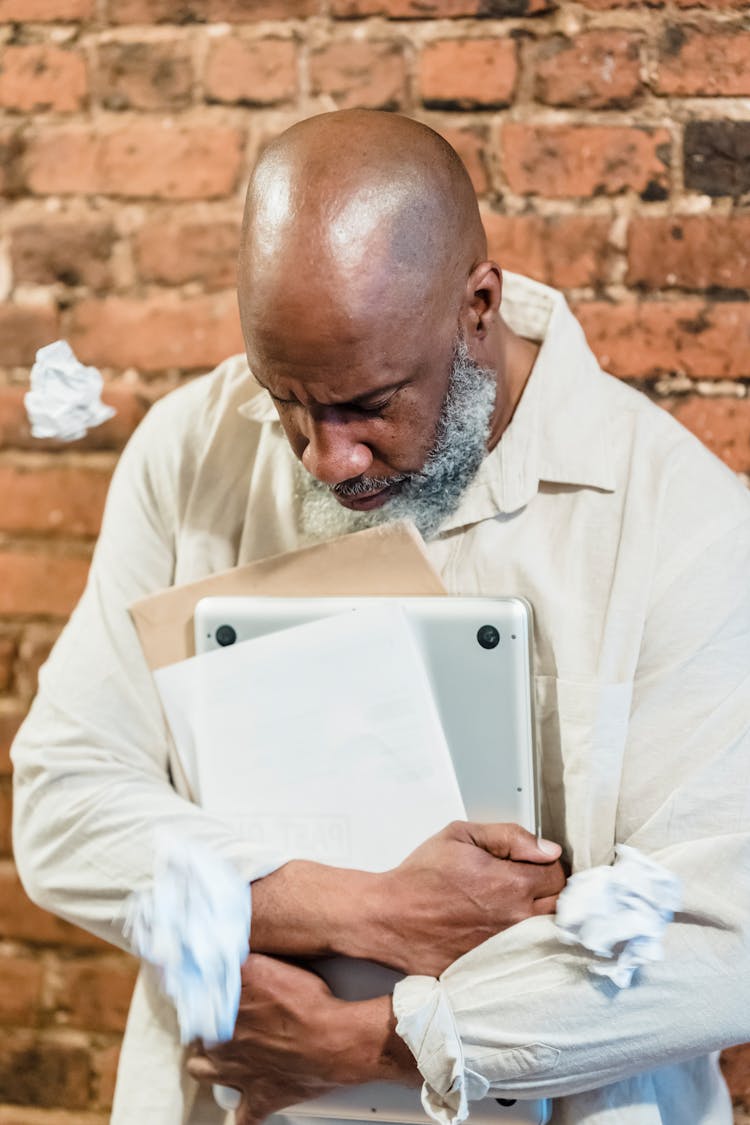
331, 369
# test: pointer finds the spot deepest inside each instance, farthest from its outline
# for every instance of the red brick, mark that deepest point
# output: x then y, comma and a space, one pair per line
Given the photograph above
20, 990
258, 72
705, 63
711, 5
714, 5
41, 1072
657, 337
723, 424
358, 73
11, 164
174, 252
21, 920
690, 251
94, 992
585, 160
142, 159
157, 333
42, 77
470, 143
564, 251
104, 1061
735, 1063
6, 822
23, 330
15, 432
438, 9
11, 717
8, 653
468, 73
598, 69
33, 652
209, 11
144, 76
74, 252
43, 10
40, 585
67, 500
23, 1115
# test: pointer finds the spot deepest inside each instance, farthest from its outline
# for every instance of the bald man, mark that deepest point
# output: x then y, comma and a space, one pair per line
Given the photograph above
397, 372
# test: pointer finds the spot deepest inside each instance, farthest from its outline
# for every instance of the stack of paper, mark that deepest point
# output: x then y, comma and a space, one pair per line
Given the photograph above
321, 742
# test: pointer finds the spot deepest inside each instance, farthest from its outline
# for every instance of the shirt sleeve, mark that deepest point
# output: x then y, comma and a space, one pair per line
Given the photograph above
521, 1013
91, 761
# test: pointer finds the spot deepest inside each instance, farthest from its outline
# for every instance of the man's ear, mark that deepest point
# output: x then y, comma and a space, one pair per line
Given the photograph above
482, 297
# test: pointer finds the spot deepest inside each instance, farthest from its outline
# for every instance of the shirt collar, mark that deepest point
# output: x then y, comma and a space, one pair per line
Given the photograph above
558, 433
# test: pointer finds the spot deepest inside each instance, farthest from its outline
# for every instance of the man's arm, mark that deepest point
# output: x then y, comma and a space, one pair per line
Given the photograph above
91, 773
521, 1013
460, 887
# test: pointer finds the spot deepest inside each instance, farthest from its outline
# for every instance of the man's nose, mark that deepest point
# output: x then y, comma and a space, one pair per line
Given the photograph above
334, 453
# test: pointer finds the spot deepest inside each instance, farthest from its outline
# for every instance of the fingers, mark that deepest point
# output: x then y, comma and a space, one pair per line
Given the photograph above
244, 1115
546, 905
510, 841
547, 880
202, 1069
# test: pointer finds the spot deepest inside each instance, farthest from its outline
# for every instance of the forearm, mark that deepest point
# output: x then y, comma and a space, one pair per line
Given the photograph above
529, 1018
307, 909
370, 1050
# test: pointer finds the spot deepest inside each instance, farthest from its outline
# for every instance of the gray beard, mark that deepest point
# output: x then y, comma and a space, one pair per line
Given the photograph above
426, 497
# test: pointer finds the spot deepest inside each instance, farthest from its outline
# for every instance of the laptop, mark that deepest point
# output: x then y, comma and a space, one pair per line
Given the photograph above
477, 654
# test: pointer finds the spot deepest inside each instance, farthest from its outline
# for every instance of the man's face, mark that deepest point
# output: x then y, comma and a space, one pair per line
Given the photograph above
384, 428
426, 497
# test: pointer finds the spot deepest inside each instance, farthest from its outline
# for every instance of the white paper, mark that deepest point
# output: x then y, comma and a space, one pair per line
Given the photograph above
65, 397
619, 913
321, 742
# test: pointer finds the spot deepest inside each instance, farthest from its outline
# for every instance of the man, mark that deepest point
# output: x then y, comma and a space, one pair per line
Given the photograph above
405, 379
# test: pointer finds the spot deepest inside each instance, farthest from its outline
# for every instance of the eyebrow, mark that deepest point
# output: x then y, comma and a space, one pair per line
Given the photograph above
357, 400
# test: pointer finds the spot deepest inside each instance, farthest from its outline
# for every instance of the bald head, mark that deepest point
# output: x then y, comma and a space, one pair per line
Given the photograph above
357, 212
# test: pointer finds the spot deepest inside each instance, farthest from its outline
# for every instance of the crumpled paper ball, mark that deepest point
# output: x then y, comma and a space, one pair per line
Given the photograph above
619, 913
65, 397
193, 926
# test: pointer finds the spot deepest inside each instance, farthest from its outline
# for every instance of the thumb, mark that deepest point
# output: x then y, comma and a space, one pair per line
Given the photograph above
510, 841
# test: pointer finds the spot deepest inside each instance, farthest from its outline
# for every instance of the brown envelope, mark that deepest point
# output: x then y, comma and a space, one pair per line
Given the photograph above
387, 560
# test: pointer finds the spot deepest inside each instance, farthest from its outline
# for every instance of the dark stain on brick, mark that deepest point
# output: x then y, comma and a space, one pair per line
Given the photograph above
498, 9
720, 293
653, 191
695, 325
462, 104
12, 148
673, 40
717, 157
45, 1075
664, 153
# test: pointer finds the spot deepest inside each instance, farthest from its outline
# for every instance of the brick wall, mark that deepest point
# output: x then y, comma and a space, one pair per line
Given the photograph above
610, 144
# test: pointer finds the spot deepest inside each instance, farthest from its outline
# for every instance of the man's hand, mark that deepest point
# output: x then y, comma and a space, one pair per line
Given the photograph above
293, 1040
459, 888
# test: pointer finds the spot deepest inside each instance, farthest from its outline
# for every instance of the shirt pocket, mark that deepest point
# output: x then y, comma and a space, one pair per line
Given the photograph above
582, 729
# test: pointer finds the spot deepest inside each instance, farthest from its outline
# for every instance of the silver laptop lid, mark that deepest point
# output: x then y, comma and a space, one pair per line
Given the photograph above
478, 656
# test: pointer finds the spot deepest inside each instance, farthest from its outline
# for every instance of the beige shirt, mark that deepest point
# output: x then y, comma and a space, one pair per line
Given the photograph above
633, 545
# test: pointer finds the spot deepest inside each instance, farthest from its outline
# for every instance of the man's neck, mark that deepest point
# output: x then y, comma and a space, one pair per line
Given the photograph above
519, 358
